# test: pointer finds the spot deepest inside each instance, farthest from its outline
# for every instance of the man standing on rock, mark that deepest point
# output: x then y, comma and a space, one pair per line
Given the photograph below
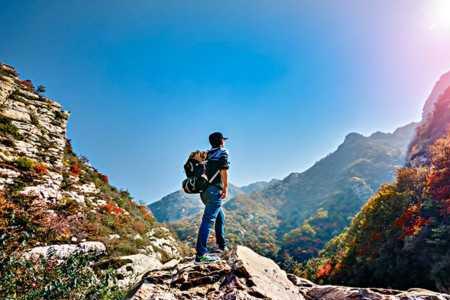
217, 172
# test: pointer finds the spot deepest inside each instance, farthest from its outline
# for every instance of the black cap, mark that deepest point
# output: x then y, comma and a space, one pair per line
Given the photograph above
215, 139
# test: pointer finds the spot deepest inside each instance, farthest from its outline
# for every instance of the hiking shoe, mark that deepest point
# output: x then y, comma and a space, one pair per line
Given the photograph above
206, 259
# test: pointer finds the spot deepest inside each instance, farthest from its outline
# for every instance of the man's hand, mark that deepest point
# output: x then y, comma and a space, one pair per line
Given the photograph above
224, 193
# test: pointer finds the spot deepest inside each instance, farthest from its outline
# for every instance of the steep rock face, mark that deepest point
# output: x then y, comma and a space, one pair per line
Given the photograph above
434, 126
56, 205
34, 127
439, 88
243, 274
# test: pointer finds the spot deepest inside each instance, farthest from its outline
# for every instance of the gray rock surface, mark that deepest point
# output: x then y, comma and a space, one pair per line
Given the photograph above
264, 275
243, 274
40, 125
134, 266
65, 250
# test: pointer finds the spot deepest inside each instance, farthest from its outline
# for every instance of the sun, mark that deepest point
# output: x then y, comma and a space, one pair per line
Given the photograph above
439, 14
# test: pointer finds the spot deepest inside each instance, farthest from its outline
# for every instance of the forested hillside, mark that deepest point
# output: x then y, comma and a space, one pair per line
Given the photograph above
401, 237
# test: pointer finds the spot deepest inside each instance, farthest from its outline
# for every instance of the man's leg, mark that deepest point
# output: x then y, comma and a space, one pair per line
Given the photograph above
212, 209
220, 230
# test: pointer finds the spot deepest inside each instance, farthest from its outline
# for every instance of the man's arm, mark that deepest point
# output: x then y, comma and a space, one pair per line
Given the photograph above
224, 177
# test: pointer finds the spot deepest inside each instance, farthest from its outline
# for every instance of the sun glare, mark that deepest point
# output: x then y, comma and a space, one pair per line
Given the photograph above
439, 14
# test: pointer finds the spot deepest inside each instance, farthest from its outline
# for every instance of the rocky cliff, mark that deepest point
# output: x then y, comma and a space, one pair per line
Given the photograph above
439, 88
434, 124
54, 204
33, 128
243, 274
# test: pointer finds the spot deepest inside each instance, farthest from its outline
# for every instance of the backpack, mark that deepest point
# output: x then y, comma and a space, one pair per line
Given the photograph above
195, 169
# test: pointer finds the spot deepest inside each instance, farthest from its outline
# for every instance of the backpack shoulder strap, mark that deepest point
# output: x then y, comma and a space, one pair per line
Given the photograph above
214, 176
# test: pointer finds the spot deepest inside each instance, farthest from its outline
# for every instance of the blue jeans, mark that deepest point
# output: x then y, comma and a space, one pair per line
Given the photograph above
213, 212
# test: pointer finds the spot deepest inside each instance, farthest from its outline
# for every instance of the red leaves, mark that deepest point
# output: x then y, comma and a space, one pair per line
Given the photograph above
438, 180
324, 270
40, 168
411, 222
113, 209
104, 178
415, 227
75, 168
408, 215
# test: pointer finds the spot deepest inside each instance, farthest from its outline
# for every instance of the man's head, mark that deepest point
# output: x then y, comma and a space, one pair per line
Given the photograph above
216, 139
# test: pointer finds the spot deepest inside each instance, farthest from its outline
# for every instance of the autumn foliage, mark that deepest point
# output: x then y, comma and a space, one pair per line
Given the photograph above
401, 237
40, 169
113, 209
75, 168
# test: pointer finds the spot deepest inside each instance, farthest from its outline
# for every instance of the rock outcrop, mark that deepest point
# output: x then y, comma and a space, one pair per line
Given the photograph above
243, 274
55, 204
34, 128
439, 88
434, 124
65, 250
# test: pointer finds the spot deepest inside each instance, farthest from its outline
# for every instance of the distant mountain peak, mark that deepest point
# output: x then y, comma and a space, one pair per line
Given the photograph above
353, 136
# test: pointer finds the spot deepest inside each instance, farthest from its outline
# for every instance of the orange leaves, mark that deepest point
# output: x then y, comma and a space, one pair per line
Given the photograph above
411, 222
112, 209
146, 213
324, 270
440, 153
40, 168
438, 179
415, 227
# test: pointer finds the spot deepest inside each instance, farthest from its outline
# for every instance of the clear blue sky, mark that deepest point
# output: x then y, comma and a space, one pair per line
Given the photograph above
146, 81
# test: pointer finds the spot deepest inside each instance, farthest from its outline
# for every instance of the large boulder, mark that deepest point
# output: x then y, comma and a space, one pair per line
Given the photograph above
263, 275
241, 275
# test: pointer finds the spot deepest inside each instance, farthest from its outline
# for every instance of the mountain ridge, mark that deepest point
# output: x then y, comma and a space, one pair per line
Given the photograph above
272, 217
400, 237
